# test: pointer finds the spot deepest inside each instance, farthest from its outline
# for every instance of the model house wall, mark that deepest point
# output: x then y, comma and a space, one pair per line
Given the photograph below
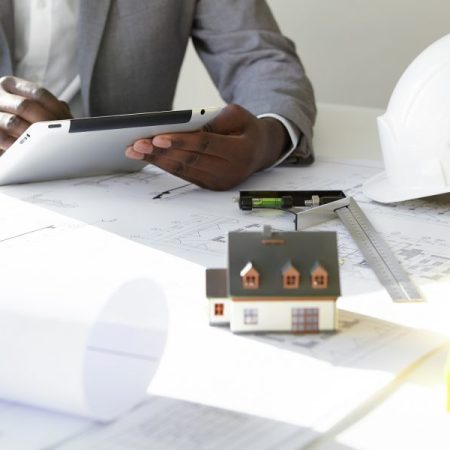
280, 315
217, 293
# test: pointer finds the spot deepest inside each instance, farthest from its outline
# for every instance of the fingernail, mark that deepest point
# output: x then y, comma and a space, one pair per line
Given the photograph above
162, 142
130, 153
143, 146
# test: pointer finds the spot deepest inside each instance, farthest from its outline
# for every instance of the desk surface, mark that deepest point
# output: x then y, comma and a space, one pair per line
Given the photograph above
124, 205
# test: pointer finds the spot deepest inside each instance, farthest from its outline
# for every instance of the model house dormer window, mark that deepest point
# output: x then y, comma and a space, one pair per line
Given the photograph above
249, 276
291, 276
319, 277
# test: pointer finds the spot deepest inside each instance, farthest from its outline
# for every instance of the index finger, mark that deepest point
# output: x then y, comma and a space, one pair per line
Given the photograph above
33, 91
202, 142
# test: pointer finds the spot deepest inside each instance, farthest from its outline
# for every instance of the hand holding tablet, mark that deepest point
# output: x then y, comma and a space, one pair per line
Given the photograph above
22, 103
232, 146
213, 148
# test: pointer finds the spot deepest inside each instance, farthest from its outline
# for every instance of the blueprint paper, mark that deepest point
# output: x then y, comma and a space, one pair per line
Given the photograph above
80, 332
212, 367
193, 223
170, 424
188, 221
207, 392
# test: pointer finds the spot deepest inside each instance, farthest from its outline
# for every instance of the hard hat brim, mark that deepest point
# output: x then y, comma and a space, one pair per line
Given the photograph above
379, 188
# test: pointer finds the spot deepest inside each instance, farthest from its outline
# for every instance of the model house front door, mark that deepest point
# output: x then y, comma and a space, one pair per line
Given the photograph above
305, 320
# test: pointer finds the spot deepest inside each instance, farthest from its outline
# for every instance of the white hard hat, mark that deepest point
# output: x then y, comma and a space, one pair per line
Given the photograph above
415, 131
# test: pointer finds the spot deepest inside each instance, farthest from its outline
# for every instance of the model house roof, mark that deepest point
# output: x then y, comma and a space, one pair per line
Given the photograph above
216, 283
272, 252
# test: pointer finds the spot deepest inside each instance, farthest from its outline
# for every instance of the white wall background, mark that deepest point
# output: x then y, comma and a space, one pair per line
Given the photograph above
354, 50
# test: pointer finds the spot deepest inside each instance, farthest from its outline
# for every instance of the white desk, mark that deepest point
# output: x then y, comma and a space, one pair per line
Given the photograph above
193, 223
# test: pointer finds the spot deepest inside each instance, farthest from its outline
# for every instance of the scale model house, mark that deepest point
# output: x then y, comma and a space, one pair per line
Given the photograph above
276, 281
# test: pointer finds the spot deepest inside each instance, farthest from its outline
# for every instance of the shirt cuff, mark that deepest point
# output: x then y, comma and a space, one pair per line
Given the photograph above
293, 132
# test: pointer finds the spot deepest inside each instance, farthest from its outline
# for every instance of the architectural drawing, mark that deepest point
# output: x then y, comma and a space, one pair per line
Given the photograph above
194, 223
361, 359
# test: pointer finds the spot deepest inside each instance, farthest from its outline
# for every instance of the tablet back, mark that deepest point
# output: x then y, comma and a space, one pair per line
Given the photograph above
90, 146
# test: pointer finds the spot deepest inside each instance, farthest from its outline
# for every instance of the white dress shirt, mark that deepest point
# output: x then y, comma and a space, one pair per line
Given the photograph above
46, 52
46, 42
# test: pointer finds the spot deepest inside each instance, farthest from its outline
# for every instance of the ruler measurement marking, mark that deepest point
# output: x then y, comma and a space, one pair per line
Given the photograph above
378, 254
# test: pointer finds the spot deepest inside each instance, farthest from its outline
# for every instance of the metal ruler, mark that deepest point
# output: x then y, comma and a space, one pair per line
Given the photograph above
377, 253
325, 205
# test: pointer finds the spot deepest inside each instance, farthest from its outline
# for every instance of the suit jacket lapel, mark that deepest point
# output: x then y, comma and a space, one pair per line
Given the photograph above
93, 17
6, 36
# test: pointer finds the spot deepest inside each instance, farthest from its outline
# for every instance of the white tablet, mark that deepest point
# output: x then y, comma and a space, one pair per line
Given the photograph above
90, 146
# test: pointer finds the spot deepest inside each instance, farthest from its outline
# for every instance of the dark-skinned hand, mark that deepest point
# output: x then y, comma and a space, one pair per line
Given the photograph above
220, 156
23, 103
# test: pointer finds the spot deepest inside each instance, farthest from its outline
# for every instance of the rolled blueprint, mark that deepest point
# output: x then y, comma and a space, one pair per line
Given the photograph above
80, 332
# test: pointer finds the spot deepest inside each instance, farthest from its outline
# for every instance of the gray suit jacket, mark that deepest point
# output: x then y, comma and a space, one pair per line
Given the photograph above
130, 54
